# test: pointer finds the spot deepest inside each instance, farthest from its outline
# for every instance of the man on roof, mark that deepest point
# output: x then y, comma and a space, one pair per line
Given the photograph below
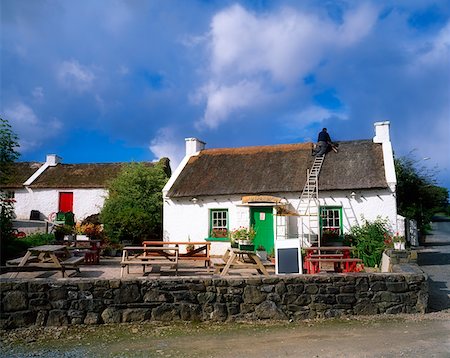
323, 143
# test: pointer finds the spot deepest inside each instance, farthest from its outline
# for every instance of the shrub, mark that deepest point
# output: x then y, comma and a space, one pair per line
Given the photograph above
369, 240
17, 247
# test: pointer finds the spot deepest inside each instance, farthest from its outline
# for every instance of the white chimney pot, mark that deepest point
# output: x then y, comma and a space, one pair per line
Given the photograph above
194, 145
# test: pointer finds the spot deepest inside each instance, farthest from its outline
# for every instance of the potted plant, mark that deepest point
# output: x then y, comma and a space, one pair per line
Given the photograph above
271, 256
261, 252
244, 236
399, 242
190, 247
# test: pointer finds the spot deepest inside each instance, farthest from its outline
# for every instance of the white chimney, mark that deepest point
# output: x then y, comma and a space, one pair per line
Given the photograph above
381, 132
194, 145
53, 160
382, 136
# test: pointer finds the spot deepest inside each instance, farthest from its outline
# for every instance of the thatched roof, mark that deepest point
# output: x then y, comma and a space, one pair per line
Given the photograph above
19, 173
72, 176
279, 169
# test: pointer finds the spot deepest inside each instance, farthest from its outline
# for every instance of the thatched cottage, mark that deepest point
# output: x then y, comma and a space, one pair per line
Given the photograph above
41, 189
217, 190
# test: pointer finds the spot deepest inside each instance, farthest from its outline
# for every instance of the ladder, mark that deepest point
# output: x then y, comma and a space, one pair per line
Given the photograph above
309, 204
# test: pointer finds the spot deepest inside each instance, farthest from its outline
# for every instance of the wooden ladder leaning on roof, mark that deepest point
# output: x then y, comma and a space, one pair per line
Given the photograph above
309, 201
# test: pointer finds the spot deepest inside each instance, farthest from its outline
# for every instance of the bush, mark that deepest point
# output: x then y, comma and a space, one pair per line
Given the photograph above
369, 240
133, 209
18, 247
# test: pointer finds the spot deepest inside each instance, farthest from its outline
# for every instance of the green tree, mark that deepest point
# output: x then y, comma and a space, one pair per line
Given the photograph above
133, 209
8, 154
418, 196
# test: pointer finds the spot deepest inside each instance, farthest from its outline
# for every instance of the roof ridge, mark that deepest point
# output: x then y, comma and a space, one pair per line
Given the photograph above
259, 148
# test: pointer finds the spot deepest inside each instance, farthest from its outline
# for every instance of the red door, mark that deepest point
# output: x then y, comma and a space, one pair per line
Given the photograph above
66, 202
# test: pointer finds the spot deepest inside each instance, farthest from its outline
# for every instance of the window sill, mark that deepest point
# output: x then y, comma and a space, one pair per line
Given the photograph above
218, 239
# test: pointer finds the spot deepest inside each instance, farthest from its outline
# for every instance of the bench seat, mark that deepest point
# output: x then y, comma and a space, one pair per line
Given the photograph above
72, 261
19, 259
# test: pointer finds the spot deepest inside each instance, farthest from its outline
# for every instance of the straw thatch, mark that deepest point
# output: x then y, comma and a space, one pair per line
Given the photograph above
19, 173
72, 176
279, 169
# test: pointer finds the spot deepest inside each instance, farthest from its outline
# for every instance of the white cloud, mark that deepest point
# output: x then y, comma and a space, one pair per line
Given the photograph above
312, 114
166, 144
31, 130
38, 93
74, 76
223, 101
253, 53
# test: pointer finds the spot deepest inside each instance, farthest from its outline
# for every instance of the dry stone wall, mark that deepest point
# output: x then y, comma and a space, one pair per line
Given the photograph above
86, 301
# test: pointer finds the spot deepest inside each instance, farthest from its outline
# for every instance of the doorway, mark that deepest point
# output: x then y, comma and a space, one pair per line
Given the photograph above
261, 218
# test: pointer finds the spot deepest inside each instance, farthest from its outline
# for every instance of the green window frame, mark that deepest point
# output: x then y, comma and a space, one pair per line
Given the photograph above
218, 223
331, 220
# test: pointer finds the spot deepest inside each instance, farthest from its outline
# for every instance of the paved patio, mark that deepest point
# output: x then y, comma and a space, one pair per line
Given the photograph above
109, 268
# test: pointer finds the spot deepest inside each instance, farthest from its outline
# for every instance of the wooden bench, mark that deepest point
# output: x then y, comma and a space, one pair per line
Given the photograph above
69, 264
350, 264
201, 253
149, 255
17, 261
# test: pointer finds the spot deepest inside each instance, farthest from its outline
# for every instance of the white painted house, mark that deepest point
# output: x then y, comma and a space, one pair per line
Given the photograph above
217, 190
51, 187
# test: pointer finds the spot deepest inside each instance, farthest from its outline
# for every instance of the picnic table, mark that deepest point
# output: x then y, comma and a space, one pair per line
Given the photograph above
149, 255
326, 257
45, 258
200, 252
239, 259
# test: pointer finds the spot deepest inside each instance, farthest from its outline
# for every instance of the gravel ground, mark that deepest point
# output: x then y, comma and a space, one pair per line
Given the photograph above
373, 336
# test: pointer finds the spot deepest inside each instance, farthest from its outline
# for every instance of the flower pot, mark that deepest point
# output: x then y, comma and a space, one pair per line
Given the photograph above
246, 245
399, 245
234, 244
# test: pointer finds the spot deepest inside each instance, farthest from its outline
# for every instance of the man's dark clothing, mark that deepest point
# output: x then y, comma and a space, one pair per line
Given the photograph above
324, 137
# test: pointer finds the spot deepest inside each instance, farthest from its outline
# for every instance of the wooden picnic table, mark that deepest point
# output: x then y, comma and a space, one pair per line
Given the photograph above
47, 257
239, 259
336, 257
201, 251
149, 255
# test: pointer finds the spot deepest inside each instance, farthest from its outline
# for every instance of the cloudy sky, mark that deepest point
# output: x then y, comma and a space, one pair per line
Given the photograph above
122, 80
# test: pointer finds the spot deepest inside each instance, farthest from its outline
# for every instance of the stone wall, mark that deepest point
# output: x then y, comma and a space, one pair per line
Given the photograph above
46, 302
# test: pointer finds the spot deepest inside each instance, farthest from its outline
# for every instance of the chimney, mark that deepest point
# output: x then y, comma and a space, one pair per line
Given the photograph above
194, 145
382, 132
53, 160
382, 136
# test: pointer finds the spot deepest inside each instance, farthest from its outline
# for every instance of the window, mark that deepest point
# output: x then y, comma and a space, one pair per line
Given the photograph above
331, 221
218, 223
10, 194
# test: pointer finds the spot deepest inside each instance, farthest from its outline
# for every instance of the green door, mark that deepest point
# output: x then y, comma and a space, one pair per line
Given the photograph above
261, 218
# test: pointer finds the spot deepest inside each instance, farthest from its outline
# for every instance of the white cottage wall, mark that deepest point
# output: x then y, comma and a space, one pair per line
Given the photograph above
369, 204
184, 220
85, 201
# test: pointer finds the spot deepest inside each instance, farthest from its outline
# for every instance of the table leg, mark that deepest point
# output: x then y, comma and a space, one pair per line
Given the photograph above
259, 264
21, 263
229, 263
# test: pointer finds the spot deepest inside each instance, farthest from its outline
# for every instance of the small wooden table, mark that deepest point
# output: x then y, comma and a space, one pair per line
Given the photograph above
149, 255
239, 259
48, 256
330, 255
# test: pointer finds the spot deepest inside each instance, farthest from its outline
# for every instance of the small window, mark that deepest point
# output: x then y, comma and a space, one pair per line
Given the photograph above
218, 223
331, 221
10, 194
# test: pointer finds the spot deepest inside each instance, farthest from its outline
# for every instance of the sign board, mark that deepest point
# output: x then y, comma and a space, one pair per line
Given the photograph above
288, 256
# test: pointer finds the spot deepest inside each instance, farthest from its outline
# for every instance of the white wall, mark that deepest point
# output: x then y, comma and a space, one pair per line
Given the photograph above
183, 219
85, 201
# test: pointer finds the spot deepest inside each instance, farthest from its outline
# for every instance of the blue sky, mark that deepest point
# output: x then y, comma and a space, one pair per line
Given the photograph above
122, 80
